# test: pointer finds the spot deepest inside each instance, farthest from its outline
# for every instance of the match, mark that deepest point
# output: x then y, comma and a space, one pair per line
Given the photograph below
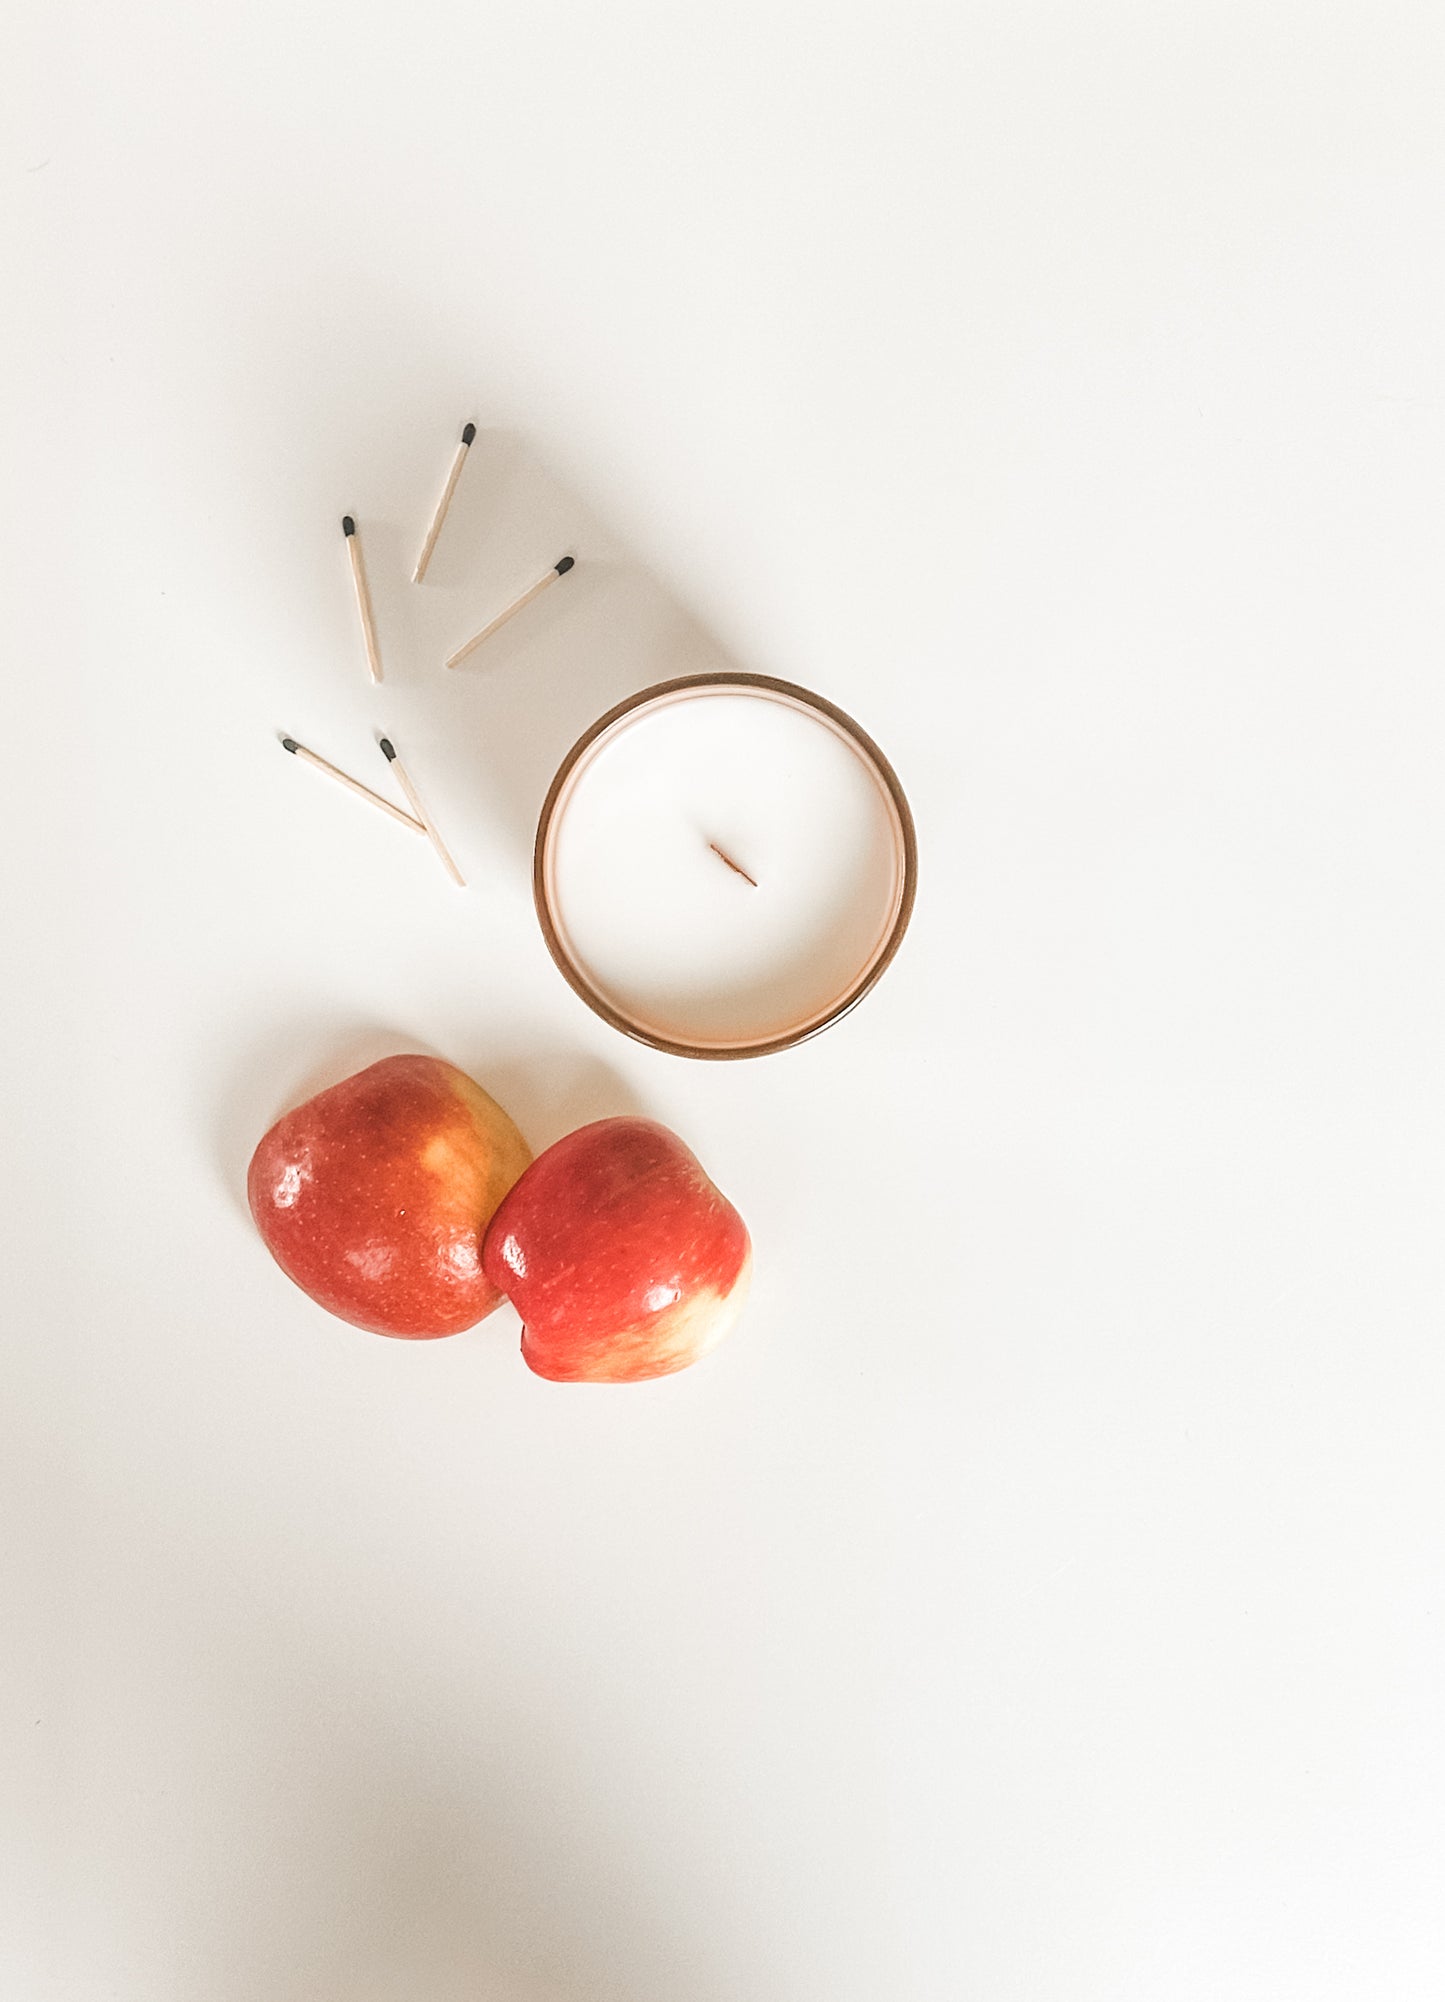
363, 596
352, 785
557, 570
428, 825
468, 433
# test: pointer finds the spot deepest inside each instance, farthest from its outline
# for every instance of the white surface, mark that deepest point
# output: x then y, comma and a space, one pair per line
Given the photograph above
1040, 1598
724, 867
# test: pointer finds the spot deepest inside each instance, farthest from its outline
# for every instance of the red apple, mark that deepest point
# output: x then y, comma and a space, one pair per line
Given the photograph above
374, 1196
622, 1258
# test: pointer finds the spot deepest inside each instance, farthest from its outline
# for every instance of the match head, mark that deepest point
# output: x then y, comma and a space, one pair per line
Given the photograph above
468, 433
348, 526
388, 750
564, 566
290, 744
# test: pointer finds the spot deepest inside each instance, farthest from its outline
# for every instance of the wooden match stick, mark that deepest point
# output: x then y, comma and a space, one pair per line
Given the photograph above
363, 596
557, 570
352, 785
388, 751
736, 867
468, 433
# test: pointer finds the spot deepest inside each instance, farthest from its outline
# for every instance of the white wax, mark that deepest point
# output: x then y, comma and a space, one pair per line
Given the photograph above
670, 935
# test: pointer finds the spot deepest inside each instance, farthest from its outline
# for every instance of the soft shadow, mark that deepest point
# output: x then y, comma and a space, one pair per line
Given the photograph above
541, 688
376, 1818
551, 1091
501, 1881
497, 726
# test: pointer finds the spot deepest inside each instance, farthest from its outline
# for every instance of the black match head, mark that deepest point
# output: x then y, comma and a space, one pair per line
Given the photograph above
388, 749
565, 565
289, 744
348, 526
468, 433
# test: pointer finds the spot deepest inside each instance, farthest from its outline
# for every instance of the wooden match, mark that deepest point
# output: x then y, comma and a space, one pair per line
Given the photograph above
352, 785
363, 596
469, 432
557, 570
388, 751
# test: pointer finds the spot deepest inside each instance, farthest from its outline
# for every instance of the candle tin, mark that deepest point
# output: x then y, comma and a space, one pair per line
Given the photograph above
674, 1036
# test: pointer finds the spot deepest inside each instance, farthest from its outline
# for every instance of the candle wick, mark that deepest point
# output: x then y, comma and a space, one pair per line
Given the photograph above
735, 866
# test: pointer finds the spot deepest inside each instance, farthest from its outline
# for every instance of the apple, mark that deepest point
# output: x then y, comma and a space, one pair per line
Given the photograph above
374, 1196
622, 1258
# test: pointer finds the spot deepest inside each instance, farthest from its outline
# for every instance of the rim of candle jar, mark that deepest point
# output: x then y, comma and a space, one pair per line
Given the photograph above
873, 968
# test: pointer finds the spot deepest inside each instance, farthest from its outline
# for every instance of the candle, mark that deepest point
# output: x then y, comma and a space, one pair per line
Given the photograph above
724, 865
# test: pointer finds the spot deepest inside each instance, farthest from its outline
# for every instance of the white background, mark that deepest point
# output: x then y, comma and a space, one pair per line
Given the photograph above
1040, 1599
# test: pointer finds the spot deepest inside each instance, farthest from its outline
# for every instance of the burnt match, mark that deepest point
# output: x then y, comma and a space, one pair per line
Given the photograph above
388, 751
558, 570
469, 432
352, 785
363, 596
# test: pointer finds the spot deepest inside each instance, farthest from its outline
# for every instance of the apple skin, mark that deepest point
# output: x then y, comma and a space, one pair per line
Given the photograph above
622, 1258
374, 1196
